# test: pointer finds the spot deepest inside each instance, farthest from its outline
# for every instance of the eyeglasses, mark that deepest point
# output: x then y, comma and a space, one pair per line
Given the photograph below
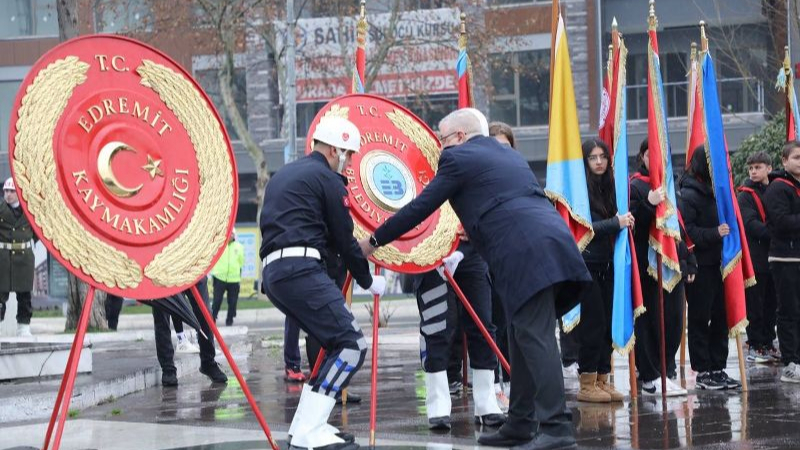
595, 158
443, 139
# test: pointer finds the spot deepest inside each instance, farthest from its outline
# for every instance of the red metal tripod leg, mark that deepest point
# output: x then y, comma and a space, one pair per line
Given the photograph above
60, 395
477, 320
250, 399
373, 407
321, 355
68, 382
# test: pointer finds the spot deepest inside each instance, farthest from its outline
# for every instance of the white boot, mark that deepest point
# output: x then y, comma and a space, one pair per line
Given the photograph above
300, 413
23, 330
311, 430
483, 393
437, 402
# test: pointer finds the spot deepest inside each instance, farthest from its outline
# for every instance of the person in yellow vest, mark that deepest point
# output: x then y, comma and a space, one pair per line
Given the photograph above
227, 276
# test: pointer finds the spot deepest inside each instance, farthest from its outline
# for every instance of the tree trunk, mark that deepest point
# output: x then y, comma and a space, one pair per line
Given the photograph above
238, 122
67, 11
77, 294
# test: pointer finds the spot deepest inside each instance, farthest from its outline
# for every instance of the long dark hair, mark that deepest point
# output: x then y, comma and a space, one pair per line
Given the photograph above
602, 199
698, 166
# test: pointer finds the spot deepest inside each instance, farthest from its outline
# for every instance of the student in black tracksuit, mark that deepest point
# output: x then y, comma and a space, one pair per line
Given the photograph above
594, 329
782, 201
708, 328
761, 299
643, 204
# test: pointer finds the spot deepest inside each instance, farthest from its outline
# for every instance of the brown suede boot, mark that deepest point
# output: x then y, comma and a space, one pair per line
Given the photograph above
589, 391
605, 386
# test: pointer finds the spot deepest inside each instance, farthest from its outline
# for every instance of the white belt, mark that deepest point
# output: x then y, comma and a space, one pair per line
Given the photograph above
16, 245
293, 252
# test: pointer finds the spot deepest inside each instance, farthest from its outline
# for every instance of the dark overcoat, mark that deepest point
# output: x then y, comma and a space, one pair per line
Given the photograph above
508, 219
16, 265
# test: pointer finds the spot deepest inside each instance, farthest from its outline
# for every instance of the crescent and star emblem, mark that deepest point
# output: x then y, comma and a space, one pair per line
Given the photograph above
104, 159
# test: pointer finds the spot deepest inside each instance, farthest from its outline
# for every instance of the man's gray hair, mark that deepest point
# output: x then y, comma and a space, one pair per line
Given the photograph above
467, 120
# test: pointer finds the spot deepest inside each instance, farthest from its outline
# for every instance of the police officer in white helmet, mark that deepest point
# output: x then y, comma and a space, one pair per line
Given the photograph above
16, 258
305, 212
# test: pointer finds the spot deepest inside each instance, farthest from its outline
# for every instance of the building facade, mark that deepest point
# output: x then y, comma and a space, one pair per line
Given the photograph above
509, 47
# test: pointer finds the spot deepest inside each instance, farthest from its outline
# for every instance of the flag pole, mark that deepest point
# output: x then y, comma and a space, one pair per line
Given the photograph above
689, 101
653, 23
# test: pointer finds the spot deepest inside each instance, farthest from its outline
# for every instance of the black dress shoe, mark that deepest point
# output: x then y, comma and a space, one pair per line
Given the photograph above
169, 379
213, 372
548, 442
490, 420
351, 398
502, 440
439, 423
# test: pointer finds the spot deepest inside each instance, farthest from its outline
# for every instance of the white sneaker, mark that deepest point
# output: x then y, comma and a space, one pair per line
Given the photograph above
571, 371
185, 346
674, 389
790, 374
24, 330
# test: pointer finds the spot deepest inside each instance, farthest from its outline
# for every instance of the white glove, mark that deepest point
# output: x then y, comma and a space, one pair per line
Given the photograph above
378, 286
450, 263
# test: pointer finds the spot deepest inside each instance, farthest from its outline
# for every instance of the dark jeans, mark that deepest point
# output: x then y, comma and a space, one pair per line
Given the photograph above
113, 308
570, 345
708, 327
220, 289
24, 306
594, 329
762, 304
291, 344
648, 329
164, 349
787, 285
537, 385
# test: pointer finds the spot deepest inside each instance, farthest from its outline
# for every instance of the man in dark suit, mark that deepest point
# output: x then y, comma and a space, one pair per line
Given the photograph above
536, 267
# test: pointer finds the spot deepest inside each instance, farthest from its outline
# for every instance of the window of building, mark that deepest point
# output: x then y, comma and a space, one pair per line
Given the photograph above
209, 81
20, 18
413, 5
431, 108
521, 87
121, 16
8, 90
305, 115
674, 67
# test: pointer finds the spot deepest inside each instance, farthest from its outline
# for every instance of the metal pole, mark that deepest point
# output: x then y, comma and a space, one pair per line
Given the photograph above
291, 80
789, 26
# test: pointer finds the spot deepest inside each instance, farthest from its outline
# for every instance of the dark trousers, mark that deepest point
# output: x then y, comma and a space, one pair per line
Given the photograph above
537, 385
708, 327
113, 309
302, 290
291, 344
501, 335
24, 306
594, 329
338, 273
762, 304
164, 349
437, 304
570, 345
648, 329
222, 288
787, 286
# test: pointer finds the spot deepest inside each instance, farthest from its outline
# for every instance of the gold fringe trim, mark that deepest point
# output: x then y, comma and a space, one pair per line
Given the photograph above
567, 329
624, 350
749, 282
638, 312
739, 328
731, 266
584, 241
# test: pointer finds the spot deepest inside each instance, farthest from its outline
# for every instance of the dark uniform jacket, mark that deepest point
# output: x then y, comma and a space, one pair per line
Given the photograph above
755, 226
508, 219
306, 205
699, 210
16, 265
782, 200
643, 214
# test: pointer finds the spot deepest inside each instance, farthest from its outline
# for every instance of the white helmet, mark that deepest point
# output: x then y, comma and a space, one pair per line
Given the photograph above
9, 185
338, 132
